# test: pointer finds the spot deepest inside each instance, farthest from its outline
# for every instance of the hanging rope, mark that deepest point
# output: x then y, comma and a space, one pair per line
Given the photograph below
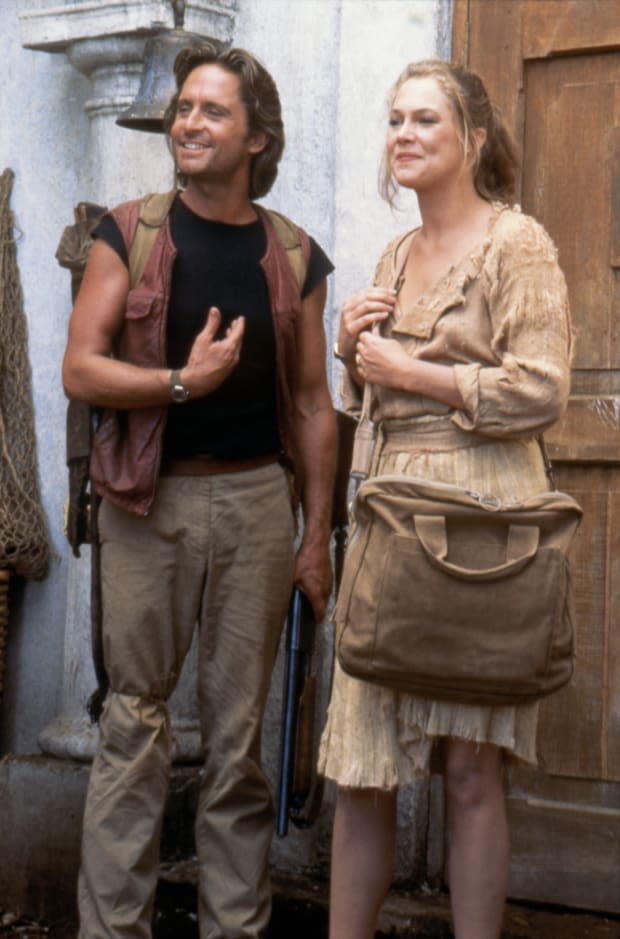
4, 619
23, 536
23, 539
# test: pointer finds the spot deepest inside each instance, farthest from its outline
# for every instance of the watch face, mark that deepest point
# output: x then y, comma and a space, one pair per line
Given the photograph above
179, 394
178, 391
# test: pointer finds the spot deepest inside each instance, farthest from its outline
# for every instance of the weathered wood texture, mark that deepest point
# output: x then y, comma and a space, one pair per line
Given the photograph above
553, 66
576, 860
579, 730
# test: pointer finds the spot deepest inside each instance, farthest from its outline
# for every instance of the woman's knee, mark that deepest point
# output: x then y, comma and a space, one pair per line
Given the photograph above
473, 773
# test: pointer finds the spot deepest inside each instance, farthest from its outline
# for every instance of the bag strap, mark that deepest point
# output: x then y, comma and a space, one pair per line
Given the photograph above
154, 209
365, 434
364, 440
288, 234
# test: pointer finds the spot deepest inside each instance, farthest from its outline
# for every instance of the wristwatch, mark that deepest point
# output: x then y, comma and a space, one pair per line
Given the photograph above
178, 392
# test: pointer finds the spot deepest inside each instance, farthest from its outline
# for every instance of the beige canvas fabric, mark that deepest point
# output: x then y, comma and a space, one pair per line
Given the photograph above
489, 618
217, 551
501, 317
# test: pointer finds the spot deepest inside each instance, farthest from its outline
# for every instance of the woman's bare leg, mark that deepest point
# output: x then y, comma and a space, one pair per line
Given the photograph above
479, 852
363, 847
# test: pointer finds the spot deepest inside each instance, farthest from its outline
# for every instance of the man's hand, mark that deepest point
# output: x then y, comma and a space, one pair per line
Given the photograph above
212, 360
92, 373
313, 576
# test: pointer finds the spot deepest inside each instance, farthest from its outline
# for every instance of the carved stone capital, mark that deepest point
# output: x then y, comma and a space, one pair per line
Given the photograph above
52, 25
104, 39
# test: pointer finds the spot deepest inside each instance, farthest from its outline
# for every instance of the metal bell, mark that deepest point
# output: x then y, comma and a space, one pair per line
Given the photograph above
157, 84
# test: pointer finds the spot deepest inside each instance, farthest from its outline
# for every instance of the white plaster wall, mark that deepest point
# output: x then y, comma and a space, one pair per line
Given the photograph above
42, 137
298, 44
378, 39
333, 61
60, 157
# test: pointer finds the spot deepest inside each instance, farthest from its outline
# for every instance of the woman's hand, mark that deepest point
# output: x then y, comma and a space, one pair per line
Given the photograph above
383, 362
360, 313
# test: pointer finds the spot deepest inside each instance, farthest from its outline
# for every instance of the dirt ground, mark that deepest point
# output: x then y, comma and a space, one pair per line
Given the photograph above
300, 910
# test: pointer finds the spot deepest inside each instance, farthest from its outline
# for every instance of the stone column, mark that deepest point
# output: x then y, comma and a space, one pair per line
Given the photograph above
104, 40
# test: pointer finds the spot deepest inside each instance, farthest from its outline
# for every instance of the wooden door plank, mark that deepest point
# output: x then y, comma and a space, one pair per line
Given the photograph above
553, 66
614, 254
494, 50
569, 731
589, 431
552, 27
562, 850
569, 133
460, 31
610, 742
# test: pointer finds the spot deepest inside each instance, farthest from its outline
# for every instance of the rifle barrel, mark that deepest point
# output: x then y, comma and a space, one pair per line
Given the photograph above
299, 641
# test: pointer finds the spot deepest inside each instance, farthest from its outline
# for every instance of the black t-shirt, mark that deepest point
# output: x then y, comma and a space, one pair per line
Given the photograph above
219, 265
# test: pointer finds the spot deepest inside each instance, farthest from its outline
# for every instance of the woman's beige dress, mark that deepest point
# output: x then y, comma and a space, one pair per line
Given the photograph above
500, 317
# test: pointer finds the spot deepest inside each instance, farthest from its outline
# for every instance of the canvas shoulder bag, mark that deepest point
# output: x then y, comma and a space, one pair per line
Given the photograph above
453, 595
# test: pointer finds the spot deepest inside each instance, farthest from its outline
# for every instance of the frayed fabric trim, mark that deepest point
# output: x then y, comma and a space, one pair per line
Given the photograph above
378, 738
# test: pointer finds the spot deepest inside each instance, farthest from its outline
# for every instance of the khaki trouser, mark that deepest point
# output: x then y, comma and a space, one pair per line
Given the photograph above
217, 551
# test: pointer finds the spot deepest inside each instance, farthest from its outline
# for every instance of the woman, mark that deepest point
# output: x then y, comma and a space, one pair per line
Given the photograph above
469, 360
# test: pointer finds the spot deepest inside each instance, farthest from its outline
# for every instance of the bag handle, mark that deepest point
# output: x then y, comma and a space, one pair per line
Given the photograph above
521, 547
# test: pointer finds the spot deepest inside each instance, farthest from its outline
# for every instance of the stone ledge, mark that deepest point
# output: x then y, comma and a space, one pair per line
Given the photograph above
41, 807
51, 26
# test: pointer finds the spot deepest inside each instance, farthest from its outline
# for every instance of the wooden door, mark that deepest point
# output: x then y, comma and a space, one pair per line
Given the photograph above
553, 66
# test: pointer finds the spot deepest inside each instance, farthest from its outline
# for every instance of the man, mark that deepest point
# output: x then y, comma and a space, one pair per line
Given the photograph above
209, 418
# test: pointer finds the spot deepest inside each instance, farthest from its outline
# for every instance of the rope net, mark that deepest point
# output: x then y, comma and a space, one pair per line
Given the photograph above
23, 536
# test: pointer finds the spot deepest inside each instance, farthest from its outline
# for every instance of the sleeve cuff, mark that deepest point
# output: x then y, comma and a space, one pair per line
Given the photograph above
467, 379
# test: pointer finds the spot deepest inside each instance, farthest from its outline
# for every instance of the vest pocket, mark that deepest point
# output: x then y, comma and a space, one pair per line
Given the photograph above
140, 303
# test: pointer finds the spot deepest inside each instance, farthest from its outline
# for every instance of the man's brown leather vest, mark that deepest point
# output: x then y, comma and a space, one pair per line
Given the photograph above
127, 449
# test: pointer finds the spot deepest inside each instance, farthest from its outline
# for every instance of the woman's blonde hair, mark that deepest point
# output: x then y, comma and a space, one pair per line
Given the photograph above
495, 164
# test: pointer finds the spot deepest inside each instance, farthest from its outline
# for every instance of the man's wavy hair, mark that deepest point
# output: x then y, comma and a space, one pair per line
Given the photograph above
494, 166
259, 94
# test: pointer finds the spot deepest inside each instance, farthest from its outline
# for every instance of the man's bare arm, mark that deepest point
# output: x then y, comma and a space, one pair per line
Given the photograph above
315, 431
91, 374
